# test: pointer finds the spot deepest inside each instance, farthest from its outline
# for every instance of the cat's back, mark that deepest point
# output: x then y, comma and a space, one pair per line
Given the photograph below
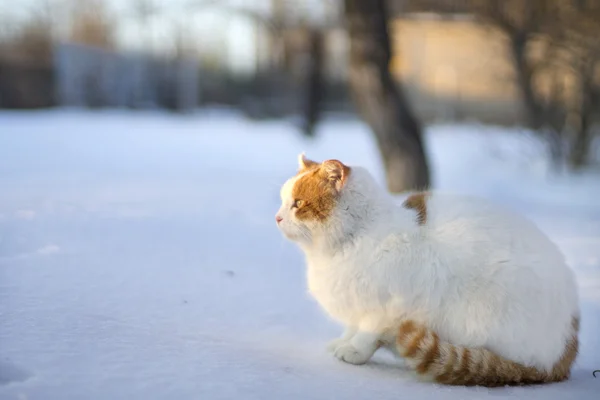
482, 233
446, 210
487, 245
476, 224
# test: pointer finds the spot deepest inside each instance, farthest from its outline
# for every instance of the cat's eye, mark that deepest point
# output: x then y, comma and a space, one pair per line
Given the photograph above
297, 204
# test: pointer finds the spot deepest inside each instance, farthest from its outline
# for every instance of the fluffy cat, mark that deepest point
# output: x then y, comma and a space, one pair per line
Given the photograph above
468, 293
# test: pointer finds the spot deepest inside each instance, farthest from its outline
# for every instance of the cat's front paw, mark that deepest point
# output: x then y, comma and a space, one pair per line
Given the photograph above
335, 344
348, 353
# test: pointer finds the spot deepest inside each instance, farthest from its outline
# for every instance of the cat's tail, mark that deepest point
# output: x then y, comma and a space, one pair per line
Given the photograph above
448, 364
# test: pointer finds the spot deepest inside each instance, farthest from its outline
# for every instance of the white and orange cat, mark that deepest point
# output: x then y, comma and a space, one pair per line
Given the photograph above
468, 293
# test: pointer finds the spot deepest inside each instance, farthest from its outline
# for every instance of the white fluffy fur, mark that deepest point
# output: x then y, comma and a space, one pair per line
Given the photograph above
477, 274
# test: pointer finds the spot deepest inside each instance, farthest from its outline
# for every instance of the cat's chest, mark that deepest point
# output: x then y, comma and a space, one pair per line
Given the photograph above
342, 288
331, 280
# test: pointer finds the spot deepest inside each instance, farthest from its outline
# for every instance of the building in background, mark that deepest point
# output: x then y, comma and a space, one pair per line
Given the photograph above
94, 77
454, 68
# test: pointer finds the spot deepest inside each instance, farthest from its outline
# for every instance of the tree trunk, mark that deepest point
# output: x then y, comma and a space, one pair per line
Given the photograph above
518, 47
315, 83
381, 101
588, 105
546, 118
581, 143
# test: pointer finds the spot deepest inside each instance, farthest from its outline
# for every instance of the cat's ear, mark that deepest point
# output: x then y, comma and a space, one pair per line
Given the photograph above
304, 163
337, 173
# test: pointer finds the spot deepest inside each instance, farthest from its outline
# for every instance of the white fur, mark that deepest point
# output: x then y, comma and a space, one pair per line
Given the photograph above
477, 274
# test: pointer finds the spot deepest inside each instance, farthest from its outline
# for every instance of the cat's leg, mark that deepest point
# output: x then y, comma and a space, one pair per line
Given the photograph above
349, 332
359, 349
362, 345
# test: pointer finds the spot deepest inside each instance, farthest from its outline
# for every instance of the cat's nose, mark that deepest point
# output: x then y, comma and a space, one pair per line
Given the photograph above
278, 219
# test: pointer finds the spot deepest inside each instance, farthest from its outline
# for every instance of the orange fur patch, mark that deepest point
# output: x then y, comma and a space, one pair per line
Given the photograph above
418, 202
415, 343
430, 355
454, 365
318, 188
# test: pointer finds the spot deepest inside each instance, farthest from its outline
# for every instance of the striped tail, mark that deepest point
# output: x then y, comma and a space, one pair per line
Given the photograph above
448, 364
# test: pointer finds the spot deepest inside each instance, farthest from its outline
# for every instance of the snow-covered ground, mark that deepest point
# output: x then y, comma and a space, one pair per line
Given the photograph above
139, 257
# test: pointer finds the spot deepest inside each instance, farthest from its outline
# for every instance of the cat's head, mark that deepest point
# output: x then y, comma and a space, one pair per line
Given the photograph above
323, 199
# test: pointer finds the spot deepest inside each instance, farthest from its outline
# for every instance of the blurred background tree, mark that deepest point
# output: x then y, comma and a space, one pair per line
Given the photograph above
550, 39
92, 24
554, 50
380, 99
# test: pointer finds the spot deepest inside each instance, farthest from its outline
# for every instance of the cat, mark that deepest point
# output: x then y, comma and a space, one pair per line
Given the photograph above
465, 291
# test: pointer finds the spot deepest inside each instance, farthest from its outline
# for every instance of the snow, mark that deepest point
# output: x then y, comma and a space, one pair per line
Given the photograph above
139, 256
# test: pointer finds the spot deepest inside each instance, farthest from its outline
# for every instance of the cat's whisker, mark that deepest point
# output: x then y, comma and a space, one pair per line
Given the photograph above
279, 257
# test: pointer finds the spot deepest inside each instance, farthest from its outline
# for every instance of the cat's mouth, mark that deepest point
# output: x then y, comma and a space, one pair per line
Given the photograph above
293, 236
289, 235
